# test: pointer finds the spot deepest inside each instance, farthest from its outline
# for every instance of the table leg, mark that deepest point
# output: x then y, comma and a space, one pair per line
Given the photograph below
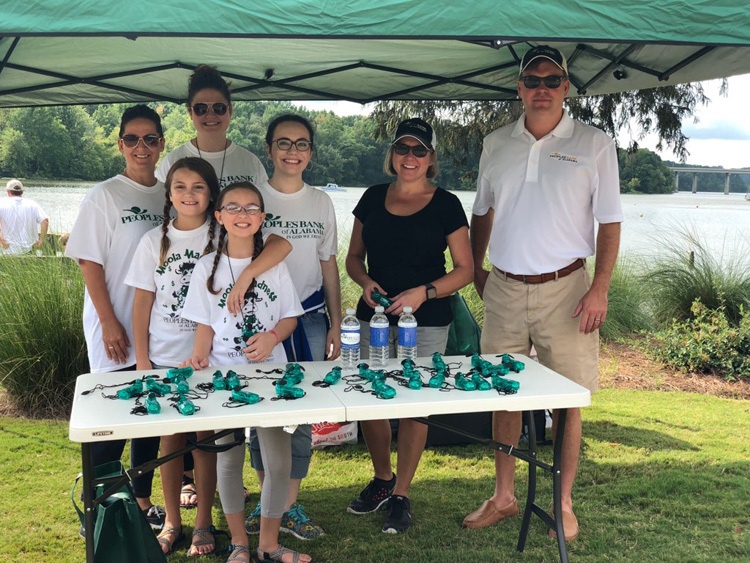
87, 464
556, 483
531, 490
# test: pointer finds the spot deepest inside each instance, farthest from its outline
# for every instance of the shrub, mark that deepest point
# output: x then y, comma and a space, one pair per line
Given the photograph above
627, 312
705, 343
42, 347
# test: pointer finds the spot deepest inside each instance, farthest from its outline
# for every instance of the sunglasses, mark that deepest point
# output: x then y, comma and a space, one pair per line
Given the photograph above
219, 108
131, 141
302, 145
418, 150
235, 209
532, 82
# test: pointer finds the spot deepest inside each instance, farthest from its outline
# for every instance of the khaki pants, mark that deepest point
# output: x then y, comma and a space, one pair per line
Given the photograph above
519, 315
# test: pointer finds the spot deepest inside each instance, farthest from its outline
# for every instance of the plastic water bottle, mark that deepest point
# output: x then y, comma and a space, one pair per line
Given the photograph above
407, 336
350, 340
378, 339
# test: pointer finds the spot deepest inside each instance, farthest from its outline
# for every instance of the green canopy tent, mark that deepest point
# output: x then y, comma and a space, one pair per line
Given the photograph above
98, 51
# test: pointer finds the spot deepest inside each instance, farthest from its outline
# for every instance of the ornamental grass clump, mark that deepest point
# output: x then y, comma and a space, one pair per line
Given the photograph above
688, 270
42, 347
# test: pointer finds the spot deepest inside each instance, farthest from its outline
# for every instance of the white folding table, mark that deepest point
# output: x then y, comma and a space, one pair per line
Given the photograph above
95, 418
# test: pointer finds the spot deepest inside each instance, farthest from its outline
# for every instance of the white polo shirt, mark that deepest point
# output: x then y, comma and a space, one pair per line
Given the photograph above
546, 194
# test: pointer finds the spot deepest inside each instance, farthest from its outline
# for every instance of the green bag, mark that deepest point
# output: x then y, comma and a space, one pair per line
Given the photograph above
464, 335
121, 533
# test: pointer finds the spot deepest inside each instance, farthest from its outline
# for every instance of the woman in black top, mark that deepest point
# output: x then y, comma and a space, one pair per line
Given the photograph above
401, 231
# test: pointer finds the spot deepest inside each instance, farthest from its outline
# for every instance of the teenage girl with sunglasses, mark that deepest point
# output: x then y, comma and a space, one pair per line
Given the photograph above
270, 310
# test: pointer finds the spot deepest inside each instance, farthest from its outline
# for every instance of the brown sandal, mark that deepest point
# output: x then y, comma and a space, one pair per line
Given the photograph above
188, 492
239, 554
276, 555
206, 537
165, 534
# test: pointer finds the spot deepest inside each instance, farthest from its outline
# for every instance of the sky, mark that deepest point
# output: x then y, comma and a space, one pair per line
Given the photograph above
721, 137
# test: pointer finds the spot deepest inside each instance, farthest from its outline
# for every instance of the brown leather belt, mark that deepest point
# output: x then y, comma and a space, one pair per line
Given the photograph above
543, 278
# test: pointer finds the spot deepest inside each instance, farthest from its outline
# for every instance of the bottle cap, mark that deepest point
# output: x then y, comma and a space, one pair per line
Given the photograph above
407, 309
379, 309
350, 312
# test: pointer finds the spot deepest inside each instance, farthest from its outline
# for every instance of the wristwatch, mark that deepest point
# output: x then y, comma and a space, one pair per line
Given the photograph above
431, 291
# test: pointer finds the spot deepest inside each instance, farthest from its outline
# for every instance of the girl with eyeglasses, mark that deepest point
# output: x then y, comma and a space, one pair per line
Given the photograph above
305, 215
113, 217
268, 316
210, 108
397, 247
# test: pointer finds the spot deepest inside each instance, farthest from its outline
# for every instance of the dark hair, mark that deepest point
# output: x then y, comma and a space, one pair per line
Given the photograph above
205, 171
284, 118
221, 246
205, 76
141, 111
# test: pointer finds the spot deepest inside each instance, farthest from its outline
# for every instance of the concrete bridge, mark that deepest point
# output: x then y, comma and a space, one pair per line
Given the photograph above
695, 171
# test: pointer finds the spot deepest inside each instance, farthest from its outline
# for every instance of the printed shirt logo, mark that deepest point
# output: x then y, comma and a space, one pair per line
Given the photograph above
139, 214
294, 229
563, 157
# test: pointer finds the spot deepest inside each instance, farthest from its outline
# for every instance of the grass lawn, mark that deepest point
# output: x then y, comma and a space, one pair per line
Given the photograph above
664, 476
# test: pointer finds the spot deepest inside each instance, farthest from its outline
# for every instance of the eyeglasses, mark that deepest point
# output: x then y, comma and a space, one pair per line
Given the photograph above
235, 209
302, 145
131, 141
532, 82
418, 150
219, 108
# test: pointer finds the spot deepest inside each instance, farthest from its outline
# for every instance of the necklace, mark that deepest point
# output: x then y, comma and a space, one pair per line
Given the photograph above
248, 322
223, 158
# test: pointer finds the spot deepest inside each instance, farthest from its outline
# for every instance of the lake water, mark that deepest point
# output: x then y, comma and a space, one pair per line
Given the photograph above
721, 222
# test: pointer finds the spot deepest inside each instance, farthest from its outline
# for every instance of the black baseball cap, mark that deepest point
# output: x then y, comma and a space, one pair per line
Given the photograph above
544, 52
419, 129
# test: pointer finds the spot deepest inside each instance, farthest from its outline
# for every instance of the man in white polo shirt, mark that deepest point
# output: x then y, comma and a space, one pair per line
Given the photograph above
543, 183
21, 221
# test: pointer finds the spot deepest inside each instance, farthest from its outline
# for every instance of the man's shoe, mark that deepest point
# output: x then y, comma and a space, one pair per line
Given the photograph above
296, 521
570, 526
252, 522
155, 516
373, 496
489, 514
399, 517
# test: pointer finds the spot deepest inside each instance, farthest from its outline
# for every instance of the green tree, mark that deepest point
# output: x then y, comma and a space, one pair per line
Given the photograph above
644, 171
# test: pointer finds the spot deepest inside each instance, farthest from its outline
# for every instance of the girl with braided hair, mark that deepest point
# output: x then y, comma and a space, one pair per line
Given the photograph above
268, 316
161, 272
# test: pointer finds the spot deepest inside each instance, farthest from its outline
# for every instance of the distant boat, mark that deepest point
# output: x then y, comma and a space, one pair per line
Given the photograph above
331, 187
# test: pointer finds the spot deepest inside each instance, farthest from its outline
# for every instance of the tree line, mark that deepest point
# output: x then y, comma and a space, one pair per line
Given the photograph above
80, 142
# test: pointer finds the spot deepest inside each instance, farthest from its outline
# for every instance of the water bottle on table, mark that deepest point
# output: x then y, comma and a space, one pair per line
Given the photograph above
349, 340
378, 339
407, 336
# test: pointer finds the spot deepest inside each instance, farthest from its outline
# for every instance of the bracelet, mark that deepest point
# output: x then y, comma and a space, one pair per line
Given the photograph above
273, 331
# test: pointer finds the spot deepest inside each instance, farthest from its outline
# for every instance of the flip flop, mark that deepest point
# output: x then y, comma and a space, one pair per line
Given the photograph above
165, 534
206, 537
188, 492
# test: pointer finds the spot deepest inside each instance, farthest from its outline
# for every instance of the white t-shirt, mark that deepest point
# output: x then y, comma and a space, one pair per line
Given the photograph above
307, 220
274, 299
171, 336
113, 217
236, 164
19, 220
546, 194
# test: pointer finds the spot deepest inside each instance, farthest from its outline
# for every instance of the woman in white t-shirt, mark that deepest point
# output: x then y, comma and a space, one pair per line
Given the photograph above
210, 108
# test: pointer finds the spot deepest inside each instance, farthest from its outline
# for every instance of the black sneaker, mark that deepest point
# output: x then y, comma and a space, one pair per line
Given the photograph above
399, 517
155, 516
373, 496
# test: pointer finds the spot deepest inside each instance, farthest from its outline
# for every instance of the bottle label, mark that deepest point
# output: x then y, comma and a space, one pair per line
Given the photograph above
379, 336
407, 336
350, 339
